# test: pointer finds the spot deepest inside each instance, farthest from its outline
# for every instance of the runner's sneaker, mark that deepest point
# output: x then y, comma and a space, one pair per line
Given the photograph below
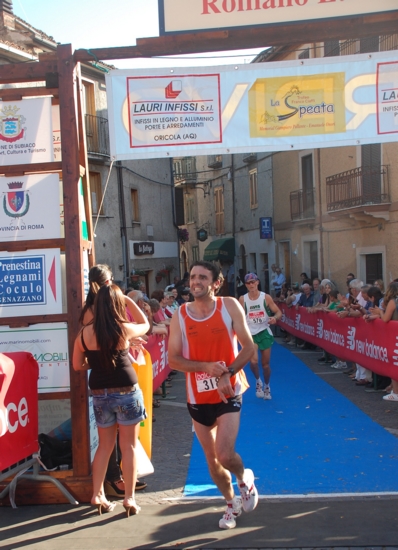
259, 389
248, 491
267, 392
232, 512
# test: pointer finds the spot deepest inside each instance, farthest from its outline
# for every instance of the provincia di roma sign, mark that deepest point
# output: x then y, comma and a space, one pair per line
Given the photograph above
259, 107
188, 15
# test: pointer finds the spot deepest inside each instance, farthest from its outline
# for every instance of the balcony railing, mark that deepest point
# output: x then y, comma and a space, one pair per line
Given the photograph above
214, 161
249, 157
185, 170
361, 186
97, 134
302, 204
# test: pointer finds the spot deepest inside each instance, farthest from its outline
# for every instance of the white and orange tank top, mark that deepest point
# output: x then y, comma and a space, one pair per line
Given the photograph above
208, 340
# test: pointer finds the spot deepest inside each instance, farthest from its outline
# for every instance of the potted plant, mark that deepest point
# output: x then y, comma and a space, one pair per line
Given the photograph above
183, 235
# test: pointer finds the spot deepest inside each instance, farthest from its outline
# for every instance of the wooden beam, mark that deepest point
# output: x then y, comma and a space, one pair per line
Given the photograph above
21, 246
27, 320
74, 255
256, 37
22, 169
26, 72
16, 94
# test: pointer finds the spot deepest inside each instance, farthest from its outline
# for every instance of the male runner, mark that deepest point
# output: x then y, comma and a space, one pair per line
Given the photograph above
203, 344
257, 306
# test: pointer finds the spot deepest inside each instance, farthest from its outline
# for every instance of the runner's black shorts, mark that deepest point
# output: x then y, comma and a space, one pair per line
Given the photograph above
208, 414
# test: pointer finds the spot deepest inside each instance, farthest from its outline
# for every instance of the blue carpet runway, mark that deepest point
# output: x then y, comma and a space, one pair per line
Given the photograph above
308, 440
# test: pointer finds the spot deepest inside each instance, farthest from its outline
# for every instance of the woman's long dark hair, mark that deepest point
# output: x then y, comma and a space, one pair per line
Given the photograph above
108, 324
97, 277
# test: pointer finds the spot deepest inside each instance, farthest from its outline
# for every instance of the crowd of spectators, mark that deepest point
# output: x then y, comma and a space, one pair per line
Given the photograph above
367, 301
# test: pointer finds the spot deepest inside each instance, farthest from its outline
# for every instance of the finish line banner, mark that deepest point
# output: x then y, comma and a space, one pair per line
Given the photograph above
372, 345
260, 107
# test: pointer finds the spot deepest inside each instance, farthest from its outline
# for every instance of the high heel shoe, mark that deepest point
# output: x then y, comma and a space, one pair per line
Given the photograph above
132, 509
104, 507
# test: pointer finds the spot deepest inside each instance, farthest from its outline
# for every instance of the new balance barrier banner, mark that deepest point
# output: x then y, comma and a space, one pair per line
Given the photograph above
372, 345
259, 107
158, 350
18, 407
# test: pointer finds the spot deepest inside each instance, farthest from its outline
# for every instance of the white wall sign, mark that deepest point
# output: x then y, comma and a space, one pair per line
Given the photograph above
48, 343
22, 216
181, 15
276, 106
30, 283
26, 131
161, 250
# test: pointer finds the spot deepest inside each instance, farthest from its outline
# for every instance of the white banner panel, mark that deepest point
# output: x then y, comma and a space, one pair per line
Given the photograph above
162, 249
48, 343
260, 107
30, 283
26, 131
22, 216
188, 15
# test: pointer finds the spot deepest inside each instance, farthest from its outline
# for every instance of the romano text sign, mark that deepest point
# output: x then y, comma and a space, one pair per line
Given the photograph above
182, 15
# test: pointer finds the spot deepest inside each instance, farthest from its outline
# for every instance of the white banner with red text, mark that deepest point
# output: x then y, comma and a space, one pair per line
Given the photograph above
372, 345
259, 107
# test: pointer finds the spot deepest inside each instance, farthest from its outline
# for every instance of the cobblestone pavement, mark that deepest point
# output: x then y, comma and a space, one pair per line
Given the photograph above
171, 447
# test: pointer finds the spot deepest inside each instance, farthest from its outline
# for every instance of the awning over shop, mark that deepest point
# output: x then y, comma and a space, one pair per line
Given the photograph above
222, 250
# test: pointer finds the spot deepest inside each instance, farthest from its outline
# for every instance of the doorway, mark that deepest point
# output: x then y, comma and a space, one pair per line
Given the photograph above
373, 267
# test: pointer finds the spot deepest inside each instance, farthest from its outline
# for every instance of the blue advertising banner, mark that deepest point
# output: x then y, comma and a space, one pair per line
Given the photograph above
30, 283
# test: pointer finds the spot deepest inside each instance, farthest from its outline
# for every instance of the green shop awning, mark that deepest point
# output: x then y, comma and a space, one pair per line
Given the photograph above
222, 250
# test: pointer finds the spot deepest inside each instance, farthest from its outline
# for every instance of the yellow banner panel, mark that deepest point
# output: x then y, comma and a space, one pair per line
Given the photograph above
297, 106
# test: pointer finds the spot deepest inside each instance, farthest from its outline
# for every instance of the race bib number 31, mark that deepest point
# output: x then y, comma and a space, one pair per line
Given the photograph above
204, 382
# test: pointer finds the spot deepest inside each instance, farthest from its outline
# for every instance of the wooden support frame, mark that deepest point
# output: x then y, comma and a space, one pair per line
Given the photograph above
74, 165
257, 37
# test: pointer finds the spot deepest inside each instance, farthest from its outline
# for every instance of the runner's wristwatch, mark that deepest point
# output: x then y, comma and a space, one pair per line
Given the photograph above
231, 372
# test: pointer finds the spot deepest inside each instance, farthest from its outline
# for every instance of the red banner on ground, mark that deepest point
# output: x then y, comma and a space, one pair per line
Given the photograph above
19, 374
372, 345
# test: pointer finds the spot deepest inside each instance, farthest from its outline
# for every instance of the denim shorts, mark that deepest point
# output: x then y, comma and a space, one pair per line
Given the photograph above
125, 409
